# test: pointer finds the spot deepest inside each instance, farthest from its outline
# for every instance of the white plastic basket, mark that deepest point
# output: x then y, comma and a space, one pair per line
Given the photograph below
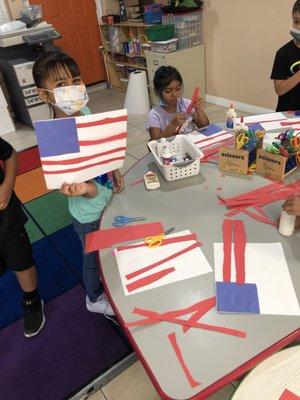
179, 146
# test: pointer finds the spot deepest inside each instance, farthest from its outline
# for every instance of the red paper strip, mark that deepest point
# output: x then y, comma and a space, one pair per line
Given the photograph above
258, 217
290, 123
82, 159
174, 344
239, 250
207, 327
64, 171
120, 136
200, 305
106, 238
177, 239
194, 98
209, 152
288, 395
227, 240
103, 121
164, 260
137, 181
205, 307
147, 280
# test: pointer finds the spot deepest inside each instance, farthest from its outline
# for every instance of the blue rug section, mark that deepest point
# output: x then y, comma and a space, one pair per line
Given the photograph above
58, 260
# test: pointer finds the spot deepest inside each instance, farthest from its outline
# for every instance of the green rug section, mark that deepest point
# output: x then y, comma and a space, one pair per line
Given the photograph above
51, 213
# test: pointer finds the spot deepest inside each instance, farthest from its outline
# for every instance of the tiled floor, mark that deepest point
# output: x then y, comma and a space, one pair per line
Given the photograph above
132, 384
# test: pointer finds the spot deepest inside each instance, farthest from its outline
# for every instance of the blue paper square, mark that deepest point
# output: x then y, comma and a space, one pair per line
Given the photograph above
57, 137
210, 130
236, 298
255, 126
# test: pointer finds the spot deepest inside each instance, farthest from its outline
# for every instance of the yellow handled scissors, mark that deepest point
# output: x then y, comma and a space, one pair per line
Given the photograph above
252, 168
241, 140
260, 134
156, 241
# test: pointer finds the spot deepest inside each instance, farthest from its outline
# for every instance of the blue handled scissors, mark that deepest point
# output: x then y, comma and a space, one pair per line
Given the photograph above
121, 220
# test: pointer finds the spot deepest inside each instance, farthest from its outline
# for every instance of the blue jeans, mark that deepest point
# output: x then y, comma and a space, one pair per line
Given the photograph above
91, 278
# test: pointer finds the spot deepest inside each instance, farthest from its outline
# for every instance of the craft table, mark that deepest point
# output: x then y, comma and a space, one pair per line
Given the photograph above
272, 377
214, 359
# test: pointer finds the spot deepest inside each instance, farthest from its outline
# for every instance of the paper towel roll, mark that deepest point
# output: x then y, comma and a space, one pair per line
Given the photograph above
137, 97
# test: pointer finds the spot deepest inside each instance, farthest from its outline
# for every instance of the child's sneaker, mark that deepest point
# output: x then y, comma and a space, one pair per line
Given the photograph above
101, 305
34, 318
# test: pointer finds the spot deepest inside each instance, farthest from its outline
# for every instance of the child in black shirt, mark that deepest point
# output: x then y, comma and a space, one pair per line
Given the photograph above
286, 68
15, 248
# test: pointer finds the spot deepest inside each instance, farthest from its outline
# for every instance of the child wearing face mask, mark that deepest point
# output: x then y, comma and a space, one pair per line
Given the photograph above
59, 84
166, 119
286, 68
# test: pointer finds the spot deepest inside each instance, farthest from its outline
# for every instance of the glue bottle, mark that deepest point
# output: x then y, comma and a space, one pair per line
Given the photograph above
286, 224
161, 145
231, 117
240, 127
167, 156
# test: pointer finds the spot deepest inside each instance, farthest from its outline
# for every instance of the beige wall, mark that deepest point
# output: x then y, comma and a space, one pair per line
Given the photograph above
241, 38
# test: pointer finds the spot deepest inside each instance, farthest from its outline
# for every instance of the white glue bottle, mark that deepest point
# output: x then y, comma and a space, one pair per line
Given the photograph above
240, 127
231, 118
161, 145
286, 224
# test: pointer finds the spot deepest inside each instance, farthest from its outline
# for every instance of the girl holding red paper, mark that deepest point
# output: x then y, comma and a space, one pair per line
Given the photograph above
167, 118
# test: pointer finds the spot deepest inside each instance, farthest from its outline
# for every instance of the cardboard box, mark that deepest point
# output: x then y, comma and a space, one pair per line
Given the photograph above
274, 166
233, 160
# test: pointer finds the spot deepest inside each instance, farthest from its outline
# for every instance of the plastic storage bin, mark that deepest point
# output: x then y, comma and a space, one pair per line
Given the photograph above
160, 33
179, 146
188, 28
167, 46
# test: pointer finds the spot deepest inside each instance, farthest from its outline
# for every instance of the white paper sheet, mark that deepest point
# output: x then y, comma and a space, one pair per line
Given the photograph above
275, 125
263, 117
206, 141
187, 265
266, 266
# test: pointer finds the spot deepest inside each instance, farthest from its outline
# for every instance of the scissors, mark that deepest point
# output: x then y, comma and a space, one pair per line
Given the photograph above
241, 140
121, 220
286, 135
295, 141
272, 149
283, 151
259, 134
298, 158
156, 241
252, 168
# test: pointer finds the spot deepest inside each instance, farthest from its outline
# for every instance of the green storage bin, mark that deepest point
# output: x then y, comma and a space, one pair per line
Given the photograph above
159, 33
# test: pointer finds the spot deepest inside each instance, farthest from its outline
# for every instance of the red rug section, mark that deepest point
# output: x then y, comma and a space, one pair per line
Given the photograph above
28, 159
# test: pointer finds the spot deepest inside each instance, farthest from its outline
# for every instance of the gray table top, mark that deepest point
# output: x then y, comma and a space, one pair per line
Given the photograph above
192, 203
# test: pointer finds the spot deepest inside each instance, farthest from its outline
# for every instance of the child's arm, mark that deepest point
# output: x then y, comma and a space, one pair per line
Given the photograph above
171, 129
6, 188
118, 181
199, 116
285, 85
86, 189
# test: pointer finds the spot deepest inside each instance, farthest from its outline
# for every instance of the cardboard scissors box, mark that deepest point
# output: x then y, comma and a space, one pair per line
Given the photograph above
234, 160
275, 166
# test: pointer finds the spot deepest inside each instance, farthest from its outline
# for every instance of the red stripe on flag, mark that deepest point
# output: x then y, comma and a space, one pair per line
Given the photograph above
147, 280
239, 250
65, 171
82, 159
156, 264
105, 140
102, 122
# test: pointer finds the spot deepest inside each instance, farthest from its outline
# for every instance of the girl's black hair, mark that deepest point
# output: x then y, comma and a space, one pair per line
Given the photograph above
296, 7
50, 64
163, 77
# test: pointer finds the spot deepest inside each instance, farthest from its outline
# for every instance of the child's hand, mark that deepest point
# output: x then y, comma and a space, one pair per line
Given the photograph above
118, 181
178, 120
86, 189
199, 104
292, 206
5, 195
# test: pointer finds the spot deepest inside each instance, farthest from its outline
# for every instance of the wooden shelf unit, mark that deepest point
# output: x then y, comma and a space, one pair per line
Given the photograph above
118, 63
